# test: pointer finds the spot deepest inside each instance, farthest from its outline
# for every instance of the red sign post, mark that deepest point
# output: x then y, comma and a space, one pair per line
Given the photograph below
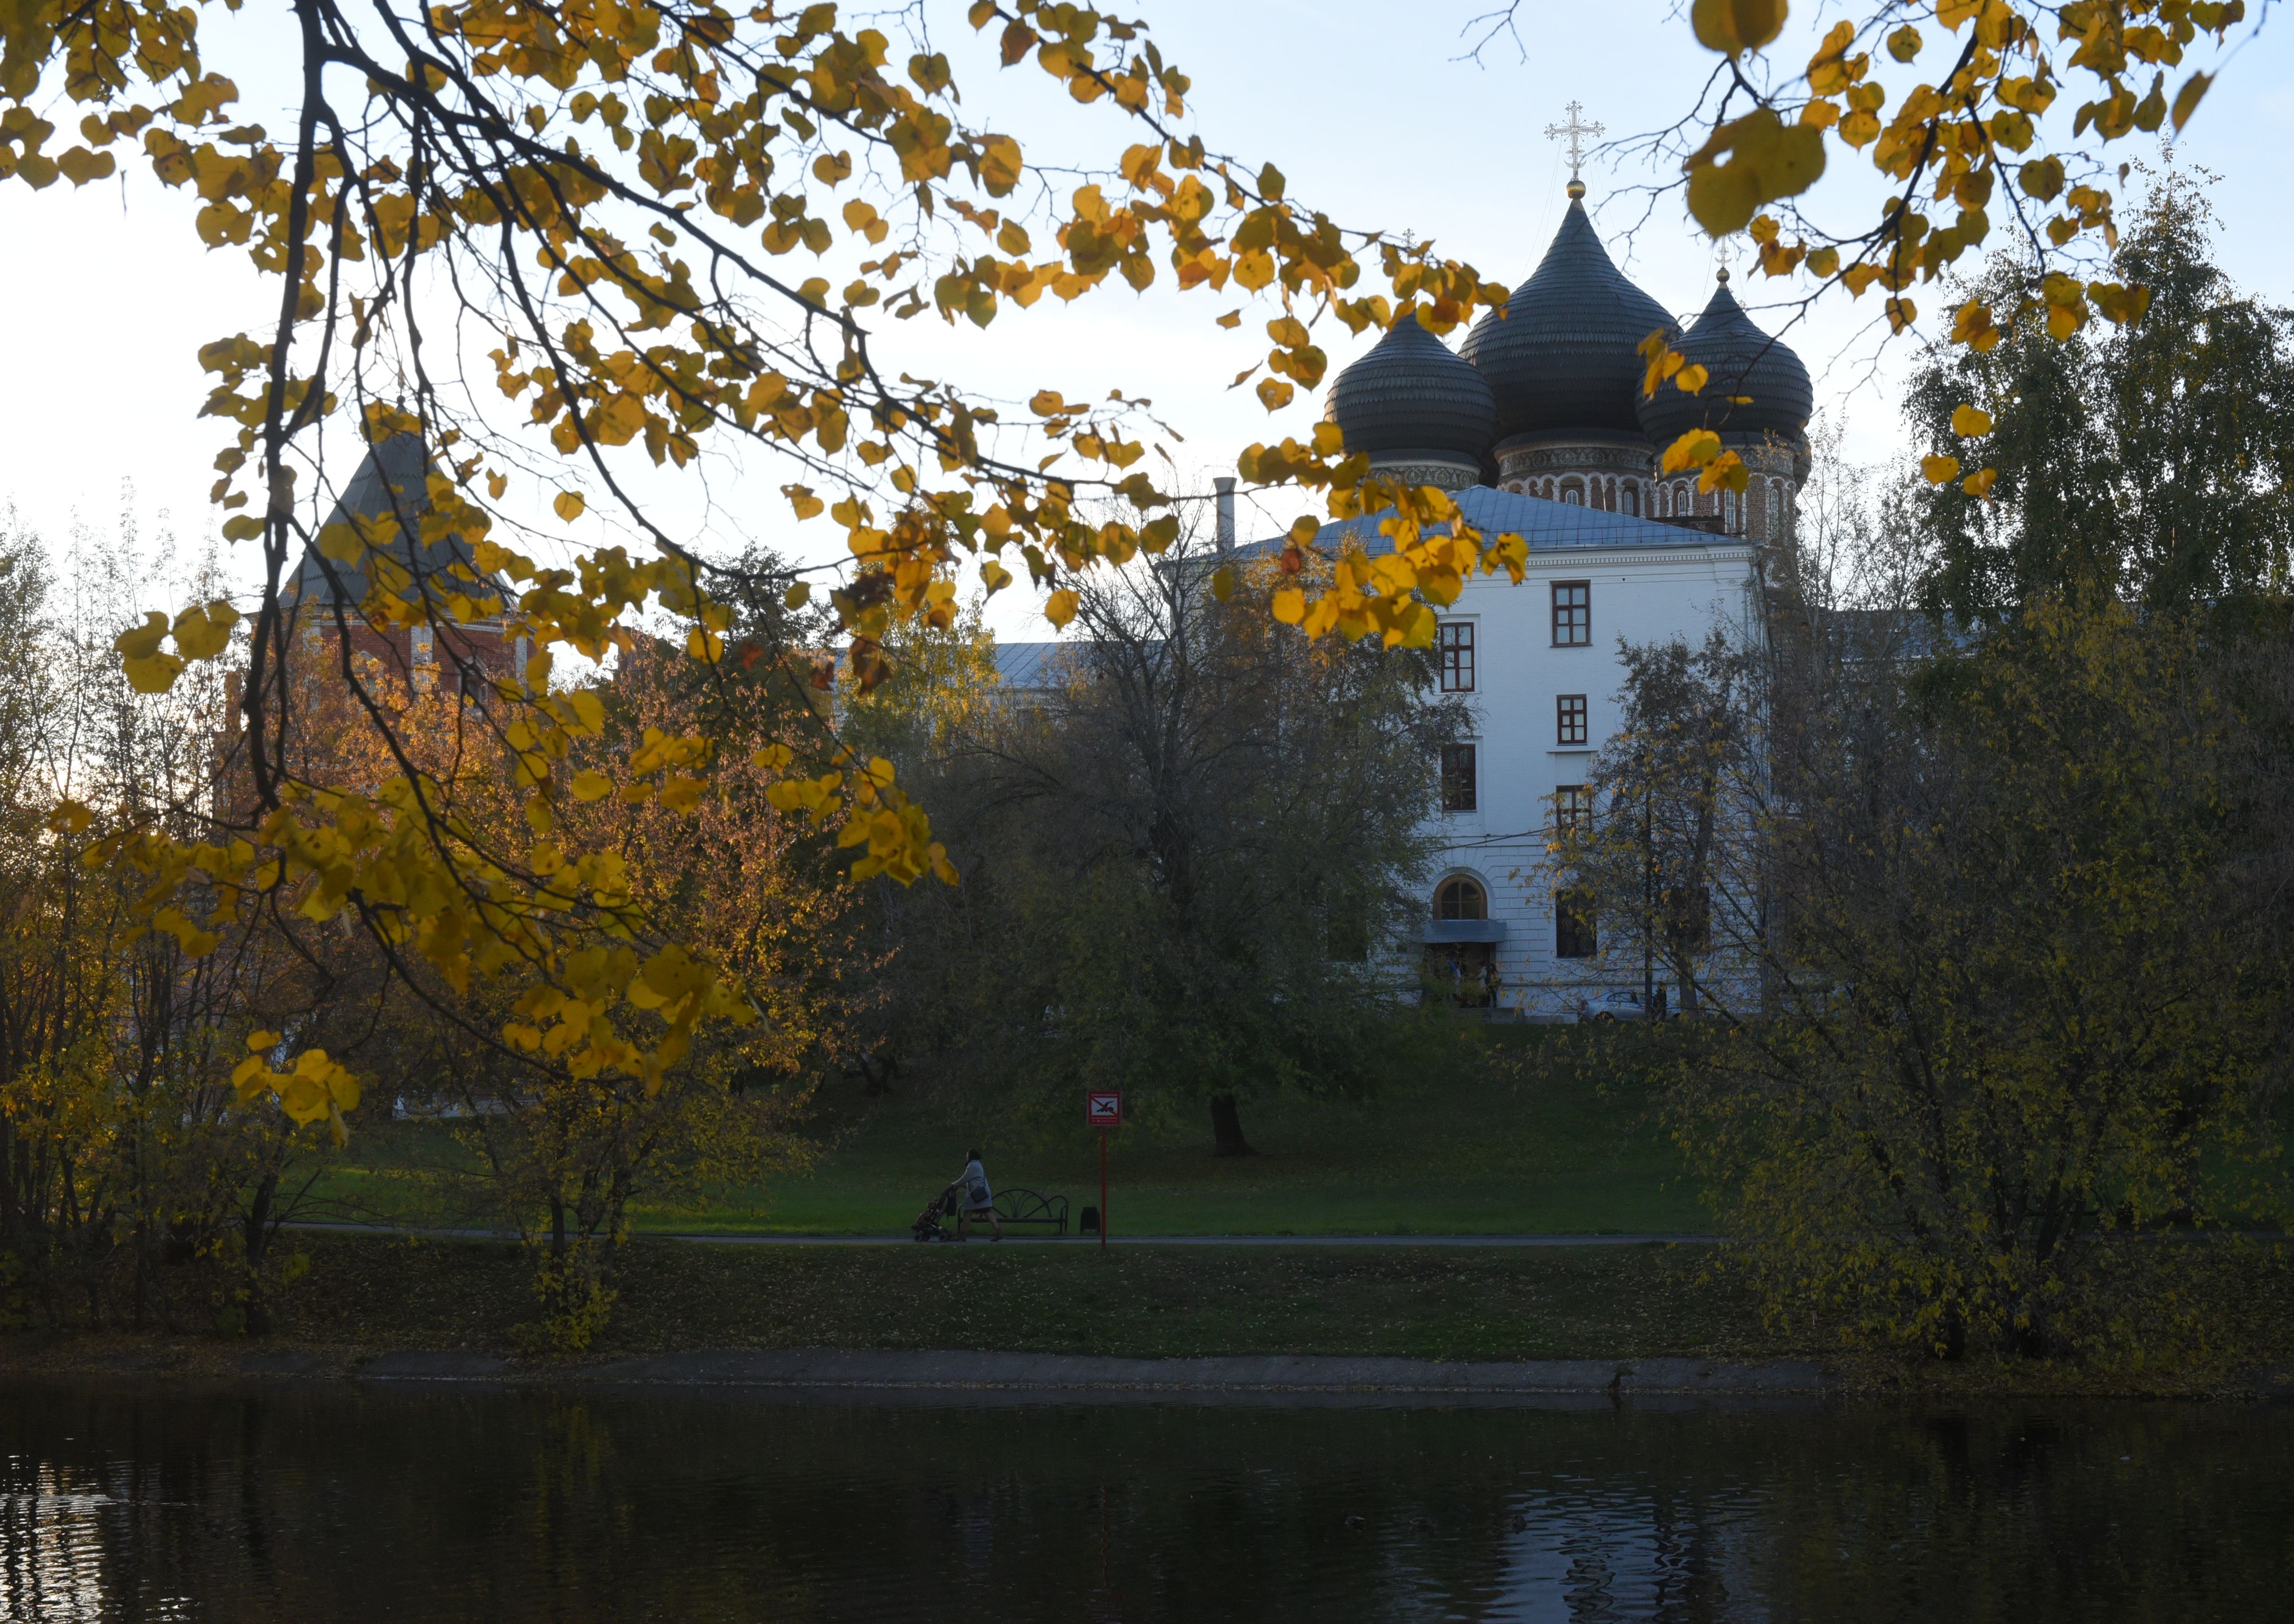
1102, 1109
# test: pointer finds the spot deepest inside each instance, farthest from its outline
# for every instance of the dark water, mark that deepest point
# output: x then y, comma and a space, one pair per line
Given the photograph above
317, 1505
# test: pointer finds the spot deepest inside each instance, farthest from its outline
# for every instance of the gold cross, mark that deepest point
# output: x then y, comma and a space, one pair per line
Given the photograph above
1575, 132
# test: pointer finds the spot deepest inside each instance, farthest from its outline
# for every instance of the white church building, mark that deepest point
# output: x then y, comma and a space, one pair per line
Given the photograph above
1537, 425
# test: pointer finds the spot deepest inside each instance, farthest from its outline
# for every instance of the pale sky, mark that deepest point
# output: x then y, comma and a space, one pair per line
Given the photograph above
1366, 108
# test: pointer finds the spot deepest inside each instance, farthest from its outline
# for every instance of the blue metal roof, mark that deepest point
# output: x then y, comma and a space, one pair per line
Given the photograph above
1548, 526
1027, 665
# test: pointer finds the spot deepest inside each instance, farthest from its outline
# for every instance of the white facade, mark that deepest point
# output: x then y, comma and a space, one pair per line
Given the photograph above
1645, 581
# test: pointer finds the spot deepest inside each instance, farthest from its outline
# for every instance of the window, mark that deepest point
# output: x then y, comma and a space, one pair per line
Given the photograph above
1573, 494
1457, 647
1573, 808
1569, 718
1573, 613
419, 646
1633, 499
1458, 769
1459, 898
1572, 925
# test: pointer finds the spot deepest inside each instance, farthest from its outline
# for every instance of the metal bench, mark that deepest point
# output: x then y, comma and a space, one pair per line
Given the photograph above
1017, 1206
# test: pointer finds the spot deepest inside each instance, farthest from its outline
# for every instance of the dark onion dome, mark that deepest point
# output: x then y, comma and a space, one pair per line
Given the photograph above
1411, 395
1564, 354
1756, 387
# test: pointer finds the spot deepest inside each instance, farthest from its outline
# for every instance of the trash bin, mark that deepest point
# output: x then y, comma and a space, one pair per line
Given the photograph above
1090, 1224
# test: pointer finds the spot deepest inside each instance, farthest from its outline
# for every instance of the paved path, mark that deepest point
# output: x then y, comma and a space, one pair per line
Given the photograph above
972, 1377
1082, 1240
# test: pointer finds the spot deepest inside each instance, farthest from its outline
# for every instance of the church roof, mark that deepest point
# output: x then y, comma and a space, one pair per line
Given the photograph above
1547, 526
393, 477
1032, 665
1409, 393
1757, 385
1563, 354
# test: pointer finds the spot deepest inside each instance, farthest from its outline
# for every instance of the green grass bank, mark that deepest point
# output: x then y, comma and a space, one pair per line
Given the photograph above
1513, 1141
362, 1295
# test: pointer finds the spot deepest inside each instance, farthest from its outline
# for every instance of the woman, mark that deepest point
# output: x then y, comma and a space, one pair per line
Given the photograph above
975, 1200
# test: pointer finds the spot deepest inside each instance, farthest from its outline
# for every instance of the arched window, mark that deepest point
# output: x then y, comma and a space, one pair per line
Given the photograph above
1459, 898
1632, 496
1728, 512
1573, 492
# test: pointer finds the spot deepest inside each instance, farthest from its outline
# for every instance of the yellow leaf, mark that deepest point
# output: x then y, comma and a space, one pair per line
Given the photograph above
1939, 470
1732, 26
152, 674
1969, 422
994, 574
1979, 482
1693, 449
798, 596
141, 642
590, 784
1768, 159
1727, 469
1223, 582
1690, 378
2186, 100
569, 505
203, 632
257, 1042
1060, 608
1289, 605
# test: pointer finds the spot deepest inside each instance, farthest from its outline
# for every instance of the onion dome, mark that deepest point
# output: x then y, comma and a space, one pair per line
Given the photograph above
1563, 354
1756, 387
1410, 396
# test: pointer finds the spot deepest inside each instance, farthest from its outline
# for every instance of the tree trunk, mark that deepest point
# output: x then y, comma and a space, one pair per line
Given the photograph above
1226, 1128
258, 1240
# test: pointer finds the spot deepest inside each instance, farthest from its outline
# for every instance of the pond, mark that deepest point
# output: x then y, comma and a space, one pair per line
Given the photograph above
444, 1504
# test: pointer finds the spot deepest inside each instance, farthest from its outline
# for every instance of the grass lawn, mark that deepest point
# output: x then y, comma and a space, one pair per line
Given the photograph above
1432, 1303
1510, 1144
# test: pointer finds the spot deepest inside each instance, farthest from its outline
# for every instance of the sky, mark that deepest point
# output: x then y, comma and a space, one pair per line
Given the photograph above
1373, 112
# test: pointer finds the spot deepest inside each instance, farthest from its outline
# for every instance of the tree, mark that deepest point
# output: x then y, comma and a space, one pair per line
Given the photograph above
1678, 794
135, 1185
610, 193
2153, 464
2018, 1000
1189, 857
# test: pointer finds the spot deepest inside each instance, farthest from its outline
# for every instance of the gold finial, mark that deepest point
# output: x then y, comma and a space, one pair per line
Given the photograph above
1574, 131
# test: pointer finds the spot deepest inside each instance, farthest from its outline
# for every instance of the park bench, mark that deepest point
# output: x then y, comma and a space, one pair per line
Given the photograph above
1017, 1206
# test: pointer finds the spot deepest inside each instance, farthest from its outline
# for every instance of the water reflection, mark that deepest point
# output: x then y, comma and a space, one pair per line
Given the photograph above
449, 1505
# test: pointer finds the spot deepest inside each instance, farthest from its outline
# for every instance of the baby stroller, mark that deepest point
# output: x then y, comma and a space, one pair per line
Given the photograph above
929, 1224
